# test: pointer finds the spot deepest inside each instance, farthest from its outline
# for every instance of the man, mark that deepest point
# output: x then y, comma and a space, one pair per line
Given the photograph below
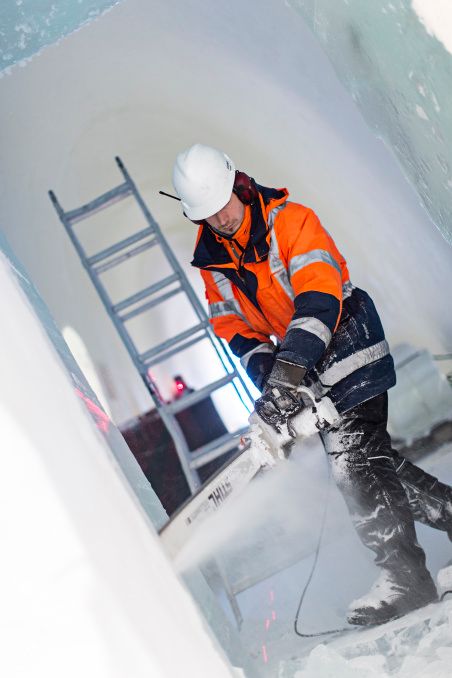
279, 292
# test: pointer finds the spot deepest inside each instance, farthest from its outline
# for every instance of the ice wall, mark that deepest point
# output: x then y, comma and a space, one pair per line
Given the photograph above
85, 587
395, 58
55, 456
129, 466
26, 26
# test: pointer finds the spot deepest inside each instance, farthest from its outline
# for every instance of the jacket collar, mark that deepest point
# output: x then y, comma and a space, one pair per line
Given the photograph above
210, 251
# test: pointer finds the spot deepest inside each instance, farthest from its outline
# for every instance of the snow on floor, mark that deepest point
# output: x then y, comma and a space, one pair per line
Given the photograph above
294, 498
415, 647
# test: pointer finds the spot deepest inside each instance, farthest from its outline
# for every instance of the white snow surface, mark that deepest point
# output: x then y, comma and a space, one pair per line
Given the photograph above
418, 646
85, 587
444, 579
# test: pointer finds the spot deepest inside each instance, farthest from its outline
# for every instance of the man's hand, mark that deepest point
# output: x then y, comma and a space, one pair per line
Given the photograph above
276, 406
280, 399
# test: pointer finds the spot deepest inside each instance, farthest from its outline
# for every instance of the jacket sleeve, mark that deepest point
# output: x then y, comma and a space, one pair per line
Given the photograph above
255, 350
315, 269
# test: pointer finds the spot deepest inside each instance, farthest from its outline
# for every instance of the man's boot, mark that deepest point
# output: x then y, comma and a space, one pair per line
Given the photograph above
392, 595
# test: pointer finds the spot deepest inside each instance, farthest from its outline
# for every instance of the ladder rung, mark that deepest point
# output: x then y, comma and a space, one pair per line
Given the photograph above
150, 304
122, 244
123, 257
177, 349
102, 202
144, 357
216, 448
156, 287
195, 397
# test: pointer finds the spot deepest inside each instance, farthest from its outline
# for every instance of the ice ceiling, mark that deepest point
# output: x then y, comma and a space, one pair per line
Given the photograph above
397, 69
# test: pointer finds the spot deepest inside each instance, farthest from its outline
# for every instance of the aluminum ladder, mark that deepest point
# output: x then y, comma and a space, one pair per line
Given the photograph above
142, 301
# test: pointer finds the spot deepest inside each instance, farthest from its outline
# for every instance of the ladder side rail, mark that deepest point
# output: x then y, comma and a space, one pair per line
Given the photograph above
221, 351
183, 452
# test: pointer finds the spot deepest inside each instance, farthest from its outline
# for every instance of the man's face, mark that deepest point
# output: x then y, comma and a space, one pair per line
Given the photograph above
228, 220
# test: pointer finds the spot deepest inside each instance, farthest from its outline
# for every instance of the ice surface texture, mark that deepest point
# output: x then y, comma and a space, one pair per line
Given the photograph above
27, 26
418, 645
141, 487
399, 74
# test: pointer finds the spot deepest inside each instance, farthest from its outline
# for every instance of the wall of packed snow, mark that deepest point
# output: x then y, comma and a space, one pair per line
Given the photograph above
85, 586
395, 58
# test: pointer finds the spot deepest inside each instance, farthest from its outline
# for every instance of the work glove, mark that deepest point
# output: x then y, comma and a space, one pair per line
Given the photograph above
259, 368
280, 400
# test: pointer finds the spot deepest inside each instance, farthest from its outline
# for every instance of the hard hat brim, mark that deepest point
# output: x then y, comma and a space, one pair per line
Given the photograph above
208, 209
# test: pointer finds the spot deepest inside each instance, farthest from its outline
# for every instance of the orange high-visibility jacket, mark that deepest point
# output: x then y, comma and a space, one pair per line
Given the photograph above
282, 285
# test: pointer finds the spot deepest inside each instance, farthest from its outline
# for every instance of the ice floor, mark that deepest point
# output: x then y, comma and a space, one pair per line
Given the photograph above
290, 507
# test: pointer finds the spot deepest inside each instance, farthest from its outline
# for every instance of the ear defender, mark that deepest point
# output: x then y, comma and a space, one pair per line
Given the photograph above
245, 188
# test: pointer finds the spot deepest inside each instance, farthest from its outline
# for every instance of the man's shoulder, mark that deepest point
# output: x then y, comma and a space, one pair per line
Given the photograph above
295, 212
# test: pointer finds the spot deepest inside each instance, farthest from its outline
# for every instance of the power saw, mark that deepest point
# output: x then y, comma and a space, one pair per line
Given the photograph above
259, 450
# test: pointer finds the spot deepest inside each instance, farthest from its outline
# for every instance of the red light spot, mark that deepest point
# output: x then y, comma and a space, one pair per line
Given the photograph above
272, 596
267, 624
264, 654
179, 387
102, 420
273, 615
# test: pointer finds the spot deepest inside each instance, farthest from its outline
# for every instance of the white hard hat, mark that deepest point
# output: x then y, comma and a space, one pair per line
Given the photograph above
203, 178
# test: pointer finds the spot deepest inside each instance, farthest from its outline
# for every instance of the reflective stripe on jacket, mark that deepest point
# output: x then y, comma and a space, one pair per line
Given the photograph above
291, 284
